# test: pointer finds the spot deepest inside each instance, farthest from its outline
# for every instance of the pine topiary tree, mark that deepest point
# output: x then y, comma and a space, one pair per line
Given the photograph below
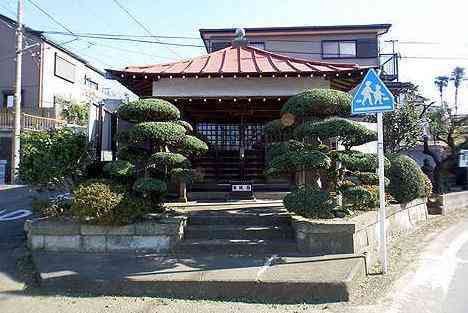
157, 148
308, 149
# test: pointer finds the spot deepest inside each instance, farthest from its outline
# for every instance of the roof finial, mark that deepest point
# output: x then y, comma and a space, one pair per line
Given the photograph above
239, 39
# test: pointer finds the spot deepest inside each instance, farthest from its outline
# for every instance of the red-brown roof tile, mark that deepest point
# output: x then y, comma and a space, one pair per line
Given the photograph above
240, 60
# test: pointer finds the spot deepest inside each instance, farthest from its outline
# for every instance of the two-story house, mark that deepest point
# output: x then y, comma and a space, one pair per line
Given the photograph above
49, 72
231, 92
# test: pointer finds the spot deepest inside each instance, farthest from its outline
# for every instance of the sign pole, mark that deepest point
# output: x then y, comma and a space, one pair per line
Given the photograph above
383, 234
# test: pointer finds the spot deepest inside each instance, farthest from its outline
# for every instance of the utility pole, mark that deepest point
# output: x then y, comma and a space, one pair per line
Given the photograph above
15, 159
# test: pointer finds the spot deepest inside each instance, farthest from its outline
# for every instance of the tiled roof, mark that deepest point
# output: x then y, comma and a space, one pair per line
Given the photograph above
241, 60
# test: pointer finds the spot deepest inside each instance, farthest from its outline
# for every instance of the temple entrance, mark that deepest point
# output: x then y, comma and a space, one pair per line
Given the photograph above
237, 151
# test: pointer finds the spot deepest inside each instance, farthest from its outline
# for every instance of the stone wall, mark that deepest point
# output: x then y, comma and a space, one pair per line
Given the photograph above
59, 235
453, 201
356, 235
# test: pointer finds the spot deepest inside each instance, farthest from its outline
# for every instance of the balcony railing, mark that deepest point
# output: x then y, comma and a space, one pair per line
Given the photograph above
389, 66
30, 122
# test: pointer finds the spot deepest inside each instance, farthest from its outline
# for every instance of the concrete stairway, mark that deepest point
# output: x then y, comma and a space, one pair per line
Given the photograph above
245, 231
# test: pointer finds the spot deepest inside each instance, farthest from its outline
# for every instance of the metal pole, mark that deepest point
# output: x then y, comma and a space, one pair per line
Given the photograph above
383, 235
15, 160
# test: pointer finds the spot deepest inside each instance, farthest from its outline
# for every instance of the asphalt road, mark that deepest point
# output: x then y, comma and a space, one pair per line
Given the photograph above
437, 281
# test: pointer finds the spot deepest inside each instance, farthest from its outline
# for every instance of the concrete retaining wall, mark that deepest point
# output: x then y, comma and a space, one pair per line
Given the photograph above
453, 201
59, 235
359, 234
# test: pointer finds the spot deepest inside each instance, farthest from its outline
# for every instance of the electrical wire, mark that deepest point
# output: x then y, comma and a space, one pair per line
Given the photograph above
142, 25
50, 16
123, 35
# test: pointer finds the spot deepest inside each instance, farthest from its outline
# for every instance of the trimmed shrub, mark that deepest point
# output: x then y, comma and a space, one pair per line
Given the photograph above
185, 124
361, 197
150, 186
95, 202
276, 131
133, 209
369, 178
158, 133
133, 154
348, 133
298, 160
357, 161
119, 169
191, 145
276, 149
164, 161
148, 110
185, 175
319, 103
310, 202
407, 181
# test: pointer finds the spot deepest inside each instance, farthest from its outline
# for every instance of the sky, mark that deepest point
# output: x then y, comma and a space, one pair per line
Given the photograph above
432, 34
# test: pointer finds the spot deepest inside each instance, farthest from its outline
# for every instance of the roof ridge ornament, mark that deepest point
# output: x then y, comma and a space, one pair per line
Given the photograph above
239, 39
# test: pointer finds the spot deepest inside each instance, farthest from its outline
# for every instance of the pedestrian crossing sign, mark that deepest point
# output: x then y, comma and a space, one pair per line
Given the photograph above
372, 95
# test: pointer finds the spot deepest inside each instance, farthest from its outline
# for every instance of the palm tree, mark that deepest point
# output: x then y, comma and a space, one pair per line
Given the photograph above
458, 75
441, 82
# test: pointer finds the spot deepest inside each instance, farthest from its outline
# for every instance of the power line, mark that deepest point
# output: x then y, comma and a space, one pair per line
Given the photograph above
124, 35
135, 40
142, 25
51, 17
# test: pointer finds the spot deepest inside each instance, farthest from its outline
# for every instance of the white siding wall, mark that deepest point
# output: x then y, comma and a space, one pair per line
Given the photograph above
235, 87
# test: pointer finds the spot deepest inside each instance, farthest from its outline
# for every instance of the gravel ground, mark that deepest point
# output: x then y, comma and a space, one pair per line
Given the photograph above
370, 298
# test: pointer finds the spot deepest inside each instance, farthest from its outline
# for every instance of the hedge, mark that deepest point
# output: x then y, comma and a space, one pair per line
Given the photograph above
407, 180
159, 133
348, 133
310, 202
361, 197
150, 186
148, 110
319, 103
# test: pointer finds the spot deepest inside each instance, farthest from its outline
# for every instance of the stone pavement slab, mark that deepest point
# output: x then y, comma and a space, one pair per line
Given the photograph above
277, 279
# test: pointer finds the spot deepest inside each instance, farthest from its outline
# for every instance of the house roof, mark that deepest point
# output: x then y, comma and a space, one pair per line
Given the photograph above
380, 28
240, 61
40, 35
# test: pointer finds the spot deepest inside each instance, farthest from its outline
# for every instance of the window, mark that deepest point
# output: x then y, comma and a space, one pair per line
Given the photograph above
64, 69
257, 44
339, 49
90, 83
215, 46
8, 99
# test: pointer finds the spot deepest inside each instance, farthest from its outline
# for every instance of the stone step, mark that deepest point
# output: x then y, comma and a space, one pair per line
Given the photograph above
270, 279
253, 232
240, 219
235, 247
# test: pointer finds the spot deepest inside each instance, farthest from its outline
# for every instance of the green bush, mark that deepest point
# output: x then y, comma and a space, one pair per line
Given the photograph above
75, 112
319, 103
348, 133
357, 161
407, 181
158, 133
298, 160
369, 178
95, 202
191, 145
361, 197
276, 131
148, 110
276, 149
185, 175
150, 186
48, 158
185, 124
119, 169
133, 154
310, 202
133, 209
164, 161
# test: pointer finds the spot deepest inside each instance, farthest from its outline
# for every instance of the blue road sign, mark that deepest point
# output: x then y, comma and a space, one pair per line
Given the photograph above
372, 95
